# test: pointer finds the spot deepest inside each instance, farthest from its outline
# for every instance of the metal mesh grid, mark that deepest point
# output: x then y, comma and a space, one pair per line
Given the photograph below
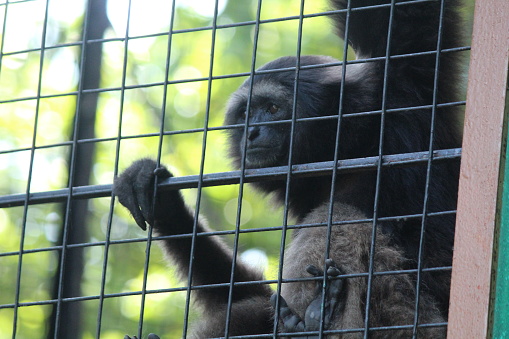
51, 182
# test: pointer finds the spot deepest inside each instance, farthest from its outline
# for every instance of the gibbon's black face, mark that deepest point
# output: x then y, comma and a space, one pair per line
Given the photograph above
267, 135
267, 140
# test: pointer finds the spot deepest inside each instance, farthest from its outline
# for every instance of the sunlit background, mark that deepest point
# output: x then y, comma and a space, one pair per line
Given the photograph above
40, 75
38, 96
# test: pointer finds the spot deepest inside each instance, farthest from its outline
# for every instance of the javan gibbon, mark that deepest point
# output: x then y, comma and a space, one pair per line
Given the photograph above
384, 103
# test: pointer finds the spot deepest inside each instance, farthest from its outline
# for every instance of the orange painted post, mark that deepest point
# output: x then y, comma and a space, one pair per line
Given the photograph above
480, 176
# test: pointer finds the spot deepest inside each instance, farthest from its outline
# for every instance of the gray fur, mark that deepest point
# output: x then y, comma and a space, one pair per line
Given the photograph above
392, 296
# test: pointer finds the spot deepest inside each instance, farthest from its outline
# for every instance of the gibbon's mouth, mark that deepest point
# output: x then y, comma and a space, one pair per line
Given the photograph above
262, 157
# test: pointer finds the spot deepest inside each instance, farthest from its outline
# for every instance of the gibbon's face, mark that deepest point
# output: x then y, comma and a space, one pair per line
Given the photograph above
266, 141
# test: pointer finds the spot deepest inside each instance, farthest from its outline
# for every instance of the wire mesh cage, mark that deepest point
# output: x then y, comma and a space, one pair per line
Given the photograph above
88, 87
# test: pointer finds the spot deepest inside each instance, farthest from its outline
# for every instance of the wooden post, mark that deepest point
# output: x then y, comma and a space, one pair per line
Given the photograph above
480, 177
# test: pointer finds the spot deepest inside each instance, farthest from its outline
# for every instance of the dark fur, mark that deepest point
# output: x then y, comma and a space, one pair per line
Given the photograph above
409, 83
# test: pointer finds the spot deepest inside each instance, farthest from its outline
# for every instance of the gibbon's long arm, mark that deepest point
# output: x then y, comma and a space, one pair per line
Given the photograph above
212, 260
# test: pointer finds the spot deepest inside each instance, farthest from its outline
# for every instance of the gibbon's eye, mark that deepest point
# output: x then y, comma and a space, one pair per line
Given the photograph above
273, 109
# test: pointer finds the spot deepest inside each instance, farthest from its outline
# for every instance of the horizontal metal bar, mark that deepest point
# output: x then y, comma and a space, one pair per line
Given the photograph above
233, 177
224, 232
203, 28
239, 126
229, 76
219, 285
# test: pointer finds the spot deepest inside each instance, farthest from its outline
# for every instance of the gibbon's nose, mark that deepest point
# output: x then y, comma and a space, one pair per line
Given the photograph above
253, 133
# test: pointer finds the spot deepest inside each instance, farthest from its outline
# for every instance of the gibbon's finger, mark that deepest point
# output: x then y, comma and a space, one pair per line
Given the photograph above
144, 189
162, 173
332, 299
136, 210
333, 291
291, 321
333, 271
123, 189
149, 207
283, 306
314, 271
332, 268
273, 300
313, 314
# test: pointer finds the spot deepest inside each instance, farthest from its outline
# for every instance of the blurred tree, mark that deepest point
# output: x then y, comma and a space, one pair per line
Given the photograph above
66, 319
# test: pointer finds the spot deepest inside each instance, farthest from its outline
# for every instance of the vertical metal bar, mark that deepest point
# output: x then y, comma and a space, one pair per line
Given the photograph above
379, 172
31, 167
159, 154
243, 160
241, 183
428, 170
115, 172
2, 41
289, 173
336, 158
480, 172
202, 166
72, 166
149, 235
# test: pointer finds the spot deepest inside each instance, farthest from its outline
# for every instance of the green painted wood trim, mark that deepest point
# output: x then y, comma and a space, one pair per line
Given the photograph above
501, 308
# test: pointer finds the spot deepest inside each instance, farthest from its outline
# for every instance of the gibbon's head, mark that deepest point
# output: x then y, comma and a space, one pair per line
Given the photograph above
270, 96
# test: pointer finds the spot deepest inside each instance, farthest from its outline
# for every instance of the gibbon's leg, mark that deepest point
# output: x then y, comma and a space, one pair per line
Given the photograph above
212, 260
291, 322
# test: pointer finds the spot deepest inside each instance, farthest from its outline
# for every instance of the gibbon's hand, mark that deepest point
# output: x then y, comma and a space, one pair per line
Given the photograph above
135, 190
291, 322
332, 292
150, 336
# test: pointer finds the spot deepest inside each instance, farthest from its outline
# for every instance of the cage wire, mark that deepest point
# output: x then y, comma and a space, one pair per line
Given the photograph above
87, 87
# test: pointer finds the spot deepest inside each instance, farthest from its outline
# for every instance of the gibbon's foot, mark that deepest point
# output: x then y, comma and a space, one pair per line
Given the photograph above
332, 291
135, 189
291, 322
150, 336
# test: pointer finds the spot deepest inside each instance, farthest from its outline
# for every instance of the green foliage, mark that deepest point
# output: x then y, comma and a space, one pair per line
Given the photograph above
42, 100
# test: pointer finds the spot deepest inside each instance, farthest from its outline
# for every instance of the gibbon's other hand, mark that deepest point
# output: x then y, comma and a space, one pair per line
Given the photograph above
135, 190
333, 290
291, 322
150, 336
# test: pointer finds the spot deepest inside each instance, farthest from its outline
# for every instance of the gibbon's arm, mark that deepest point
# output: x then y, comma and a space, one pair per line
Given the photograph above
212, 260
